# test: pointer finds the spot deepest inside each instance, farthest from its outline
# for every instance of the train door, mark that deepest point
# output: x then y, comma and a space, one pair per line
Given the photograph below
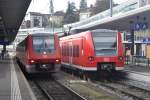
70, 53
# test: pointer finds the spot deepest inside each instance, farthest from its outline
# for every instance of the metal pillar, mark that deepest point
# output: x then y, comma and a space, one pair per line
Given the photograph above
51, 12
4, 48
132, 44
111, 8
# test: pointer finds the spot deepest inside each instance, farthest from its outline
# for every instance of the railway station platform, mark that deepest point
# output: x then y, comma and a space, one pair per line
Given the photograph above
138, 72
138, 69
13, 85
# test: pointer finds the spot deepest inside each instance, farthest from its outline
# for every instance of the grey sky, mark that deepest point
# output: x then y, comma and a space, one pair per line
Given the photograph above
43, 5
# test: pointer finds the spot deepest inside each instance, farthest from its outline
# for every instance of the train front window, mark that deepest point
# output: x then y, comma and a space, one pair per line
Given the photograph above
105, 43
43, 44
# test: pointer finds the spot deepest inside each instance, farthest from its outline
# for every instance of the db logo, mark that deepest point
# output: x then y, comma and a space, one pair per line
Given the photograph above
44, 56
106, 59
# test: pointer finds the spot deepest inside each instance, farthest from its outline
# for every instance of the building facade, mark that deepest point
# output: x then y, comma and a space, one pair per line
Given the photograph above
57, 19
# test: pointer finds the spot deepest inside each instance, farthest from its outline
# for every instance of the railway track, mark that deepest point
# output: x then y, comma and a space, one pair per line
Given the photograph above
53, 90
125, 89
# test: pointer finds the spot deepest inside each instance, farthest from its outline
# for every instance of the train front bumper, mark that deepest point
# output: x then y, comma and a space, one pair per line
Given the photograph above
40, 68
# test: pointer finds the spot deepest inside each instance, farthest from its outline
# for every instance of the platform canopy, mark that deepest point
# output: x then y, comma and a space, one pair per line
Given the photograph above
12, 13
126, 16
123, 22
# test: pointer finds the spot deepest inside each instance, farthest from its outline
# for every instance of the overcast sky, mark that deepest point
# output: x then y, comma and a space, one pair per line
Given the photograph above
43, 5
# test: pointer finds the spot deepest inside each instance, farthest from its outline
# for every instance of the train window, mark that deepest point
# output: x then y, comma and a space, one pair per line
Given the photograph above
82, 46
26, 44
64, 50
44, 43
73, 50
77, 54
76, 51
67, 50
70, 51
105, 43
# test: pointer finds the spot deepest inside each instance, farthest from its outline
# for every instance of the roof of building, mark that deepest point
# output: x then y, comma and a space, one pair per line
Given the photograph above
59, 13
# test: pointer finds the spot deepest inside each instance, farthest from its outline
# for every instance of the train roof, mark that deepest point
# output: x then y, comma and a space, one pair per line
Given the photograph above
103, 30
40, 33
77, 31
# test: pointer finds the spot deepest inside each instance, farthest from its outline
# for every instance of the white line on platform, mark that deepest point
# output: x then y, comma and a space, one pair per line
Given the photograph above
15, 90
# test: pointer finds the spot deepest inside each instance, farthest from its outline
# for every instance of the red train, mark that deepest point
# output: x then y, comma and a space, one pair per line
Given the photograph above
39, 52
93, 50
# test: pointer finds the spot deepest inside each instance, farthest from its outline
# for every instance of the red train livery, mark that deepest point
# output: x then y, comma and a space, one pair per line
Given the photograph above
93, 50
39, 52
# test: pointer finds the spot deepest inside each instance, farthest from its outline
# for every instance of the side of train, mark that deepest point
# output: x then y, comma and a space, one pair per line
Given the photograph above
39, 52
93, 50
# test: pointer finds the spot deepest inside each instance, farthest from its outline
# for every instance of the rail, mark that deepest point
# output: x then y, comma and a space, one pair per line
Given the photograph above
53, 90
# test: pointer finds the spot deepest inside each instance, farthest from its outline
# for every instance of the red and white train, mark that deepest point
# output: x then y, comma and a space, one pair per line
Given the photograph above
93, 50
39, 52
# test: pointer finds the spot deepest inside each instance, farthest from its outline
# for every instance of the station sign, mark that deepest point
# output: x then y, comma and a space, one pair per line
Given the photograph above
146, 40
140, 26
145, 26
137, 26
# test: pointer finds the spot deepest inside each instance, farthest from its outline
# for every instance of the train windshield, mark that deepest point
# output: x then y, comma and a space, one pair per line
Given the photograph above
43, 44
105, 43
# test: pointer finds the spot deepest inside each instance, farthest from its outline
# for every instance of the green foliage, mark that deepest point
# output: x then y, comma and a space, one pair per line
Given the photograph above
71, 14
101, 5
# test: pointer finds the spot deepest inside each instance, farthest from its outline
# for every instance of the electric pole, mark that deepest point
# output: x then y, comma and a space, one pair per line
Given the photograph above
51, 12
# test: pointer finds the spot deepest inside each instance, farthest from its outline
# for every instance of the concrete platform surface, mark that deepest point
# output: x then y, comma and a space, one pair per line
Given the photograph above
138, 68
13, 85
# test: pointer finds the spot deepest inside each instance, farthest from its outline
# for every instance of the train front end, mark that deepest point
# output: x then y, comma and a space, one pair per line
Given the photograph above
108, 49
43, 53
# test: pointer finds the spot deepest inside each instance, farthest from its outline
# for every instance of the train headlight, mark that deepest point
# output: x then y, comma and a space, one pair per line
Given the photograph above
57, 60
120, 58
91, 58
32, 61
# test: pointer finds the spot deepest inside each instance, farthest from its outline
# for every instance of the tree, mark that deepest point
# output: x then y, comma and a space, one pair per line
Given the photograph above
101, 5
71, 14
83, 5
